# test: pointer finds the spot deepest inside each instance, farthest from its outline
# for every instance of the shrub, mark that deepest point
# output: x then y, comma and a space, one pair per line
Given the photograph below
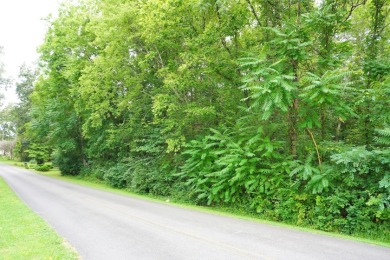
43, 167
32, 164
138, 175
69, 162
235, 168
94, 172
116, 176
148, 176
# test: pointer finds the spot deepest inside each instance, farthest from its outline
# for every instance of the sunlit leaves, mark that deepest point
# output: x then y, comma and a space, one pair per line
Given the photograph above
269, 89
145, 81
229, 167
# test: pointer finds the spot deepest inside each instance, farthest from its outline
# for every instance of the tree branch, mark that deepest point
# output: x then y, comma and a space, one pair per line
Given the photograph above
353, 7
254, 12
222, 39
315, 146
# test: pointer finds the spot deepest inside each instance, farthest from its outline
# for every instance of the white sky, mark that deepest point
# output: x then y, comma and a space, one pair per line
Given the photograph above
22, 30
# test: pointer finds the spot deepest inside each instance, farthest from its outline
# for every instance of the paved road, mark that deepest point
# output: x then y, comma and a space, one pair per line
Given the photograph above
102, 225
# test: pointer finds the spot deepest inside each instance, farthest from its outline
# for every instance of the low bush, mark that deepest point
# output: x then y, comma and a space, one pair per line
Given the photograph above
69, 162
137, 175
116, 175
43, 167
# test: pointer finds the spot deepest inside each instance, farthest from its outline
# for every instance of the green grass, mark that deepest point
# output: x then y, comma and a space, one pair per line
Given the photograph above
223, 211
24, 235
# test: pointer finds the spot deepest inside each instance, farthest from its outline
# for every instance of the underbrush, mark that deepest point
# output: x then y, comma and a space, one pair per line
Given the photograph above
353, 213
340, 209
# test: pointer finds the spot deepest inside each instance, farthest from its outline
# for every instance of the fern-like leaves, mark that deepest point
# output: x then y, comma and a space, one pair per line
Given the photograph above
384, 136
269, 89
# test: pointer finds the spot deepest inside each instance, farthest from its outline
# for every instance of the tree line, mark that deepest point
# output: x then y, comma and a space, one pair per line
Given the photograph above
280, 108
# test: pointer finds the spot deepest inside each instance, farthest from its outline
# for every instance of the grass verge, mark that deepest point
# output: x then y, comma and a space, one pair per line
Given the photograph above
223, 211
24, 235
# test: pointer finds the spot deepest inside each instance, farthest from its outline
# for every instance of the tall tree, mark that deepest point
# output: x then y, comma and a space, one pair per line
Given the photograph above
262, 103
22, 110
63, 56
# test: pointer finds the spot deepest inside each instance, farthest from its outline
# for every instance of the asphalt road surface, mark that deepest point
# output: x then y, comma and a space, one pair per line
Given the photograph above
103, 225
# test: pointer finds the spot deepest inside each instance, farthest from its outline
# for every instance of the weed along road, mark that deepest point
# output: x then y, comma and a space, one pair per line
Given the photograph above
103, 225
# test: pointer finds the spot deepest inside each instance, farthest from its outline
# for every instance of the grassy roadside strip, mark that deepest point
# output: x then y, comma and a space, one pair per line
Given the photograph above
24, 235
223, 211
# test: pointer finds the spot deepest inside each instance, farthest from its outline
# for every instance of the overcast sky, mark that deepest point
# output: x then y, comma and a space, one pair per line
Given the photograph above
21, 31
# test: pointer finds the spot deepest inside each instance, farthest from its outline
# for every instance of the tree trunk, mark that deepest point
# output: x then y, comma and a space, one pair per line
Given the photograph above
292, 128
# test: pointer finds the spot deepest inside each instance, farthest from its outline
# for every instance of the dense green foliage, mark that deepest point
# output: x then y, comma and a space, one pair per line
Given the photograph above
276, 107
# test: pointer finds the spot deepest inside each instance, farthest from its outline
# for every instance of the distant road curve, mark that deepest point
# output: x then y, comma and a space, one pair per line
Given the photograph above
103, 225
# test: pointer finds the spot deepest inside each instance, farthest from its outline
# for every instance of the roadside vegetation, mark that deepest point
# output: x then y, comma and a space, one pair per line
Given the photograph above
237, 212
278, 109
24, 235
